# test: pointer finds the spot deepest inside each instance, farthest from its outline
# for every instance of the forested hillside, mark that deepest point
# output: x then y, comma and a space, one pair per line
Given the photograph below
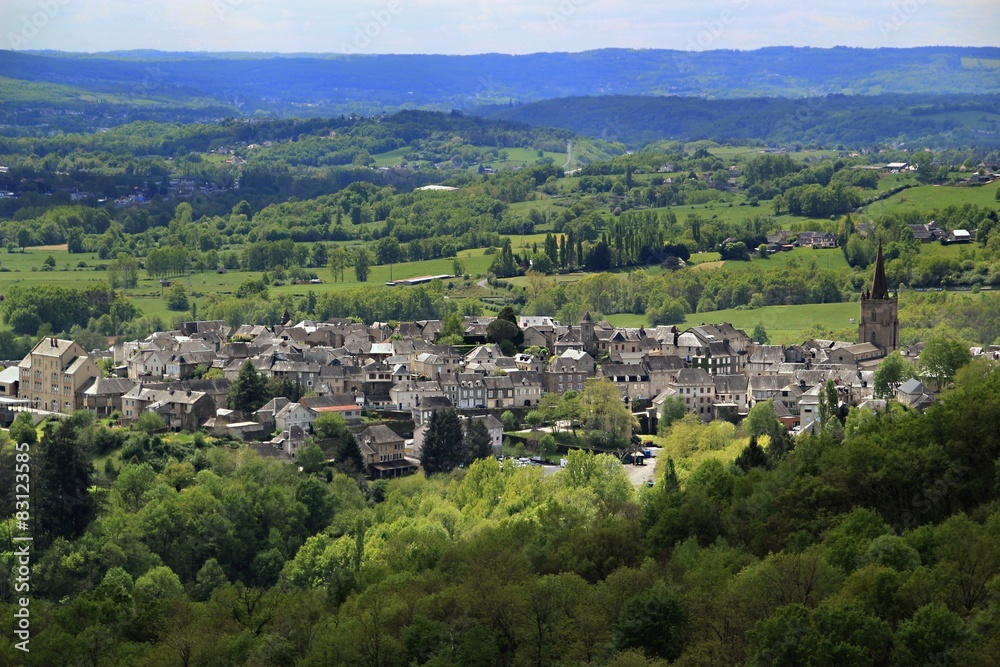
828, 121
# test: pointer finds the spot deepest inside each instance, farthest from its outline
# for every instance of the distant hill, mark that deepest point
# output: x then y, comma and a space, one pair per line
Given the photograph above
315, 85
852, 120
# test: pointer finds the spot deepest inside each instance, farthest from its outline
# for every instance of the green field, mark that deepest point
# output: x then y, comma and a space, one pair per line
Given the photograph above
929, 197
783, 323
147, 294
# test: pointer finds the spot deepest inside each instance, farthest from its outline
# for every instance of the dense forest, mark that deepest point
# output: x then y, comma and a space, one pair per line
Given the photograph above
876, 541
852, 120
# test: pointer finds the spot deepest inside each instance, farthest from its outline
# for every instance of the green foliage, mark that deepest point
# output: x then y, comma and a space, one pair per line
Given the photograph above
891, 372
673, 410
311, 458
362, 262
504, 264
250, 390
603, 409
751, 457
653, 622
443, 443
942, 358
933, 634
149, 422
62, 473
177, 297
22, 429
26, 308
759, 334
509, 421
477, 441
762, 421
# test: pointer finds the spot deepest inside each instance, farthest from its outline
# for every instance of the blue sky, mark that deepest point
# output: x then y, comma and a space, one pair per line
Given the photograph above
478, 26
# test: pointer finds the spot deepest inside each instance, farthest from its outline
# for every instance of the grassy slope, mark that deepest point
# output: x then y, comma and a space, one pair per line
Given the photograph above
783, 323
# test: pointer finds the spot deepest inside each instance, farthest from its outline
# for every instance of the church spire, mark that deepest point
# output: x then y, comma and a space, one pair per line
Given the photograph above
879, 288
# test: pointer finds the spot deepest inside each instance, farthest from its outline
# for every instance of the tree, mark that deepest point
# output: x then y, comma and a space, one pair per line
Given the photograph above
759, 334
62, 475
941, 358
249, 391
23, 429
177, 298
509, 421
504, 328
362, 263
23, 238
655, 622
338, 262
348, 457
503, 264
74, 239
332, 429
762, 420
452, 329
443, 443
123, 271
320, 255
891, 371
829, 403
477, 441
673, 409
311, 458
149, 422
752, 456
932, 636
542, 263
603, 410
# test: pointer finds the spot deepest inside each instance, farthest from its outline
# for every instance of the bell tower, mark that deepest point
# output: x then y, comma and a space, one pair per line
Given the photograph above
588, 335
879, 312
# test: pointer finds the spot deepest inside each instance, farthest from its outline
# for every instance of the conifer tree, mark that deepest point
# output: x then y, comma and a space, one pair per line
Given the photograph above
443, 449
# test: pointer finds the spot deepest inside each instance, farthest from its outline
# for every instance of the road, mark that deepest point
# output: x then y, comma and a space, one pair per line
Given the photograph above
641, 475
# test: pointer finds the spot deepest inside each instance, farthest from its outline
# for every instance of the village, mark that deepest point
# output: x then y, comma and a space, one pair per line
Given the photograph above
378, 374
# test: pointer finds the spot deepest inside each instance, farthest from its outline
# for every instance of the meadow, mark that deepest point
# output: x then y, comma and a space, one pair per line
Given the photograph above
784, 324
929, 197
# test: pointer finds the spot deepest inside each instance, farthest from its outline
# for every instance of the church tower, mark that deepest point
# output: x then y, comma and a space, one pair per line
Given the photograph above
879, 312
588, 335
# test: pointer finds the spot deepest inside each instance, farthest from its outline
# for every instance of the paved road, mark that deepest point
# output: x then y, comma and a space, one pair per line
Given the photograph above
640, 475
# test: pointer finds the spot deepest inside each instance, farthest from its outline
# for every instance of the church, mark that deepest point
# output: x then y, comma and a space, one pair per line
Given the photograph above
879, 312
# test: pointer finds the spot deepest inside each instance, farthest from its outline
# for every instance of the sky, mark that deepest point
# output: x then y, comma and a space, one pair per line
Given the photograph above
482, 26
